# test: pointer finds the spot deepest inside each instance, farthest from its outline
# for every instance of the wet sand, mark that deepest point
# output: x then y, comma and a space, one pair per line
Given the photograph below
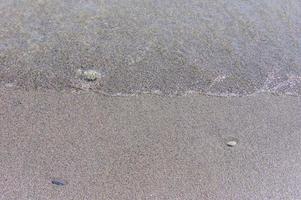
148, 146
220, 47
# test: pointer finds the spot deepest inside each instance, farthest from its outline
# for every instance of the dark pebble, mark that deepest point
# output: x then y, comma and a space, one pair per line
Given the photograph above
58, 182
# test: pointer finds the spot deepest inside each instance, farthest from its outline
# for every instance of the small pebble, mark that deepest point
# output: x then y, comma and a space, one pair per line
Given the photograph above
58, 182
90, 75
231, 143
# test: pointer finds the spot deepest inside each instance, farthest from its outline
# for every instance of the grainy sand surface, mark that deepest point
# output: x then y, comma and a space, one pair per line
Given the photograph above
150, 99
148, 146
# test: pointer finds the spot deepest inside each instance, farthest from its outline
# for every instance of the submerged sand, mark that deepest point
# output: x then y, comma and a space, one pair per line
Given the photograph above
220, 47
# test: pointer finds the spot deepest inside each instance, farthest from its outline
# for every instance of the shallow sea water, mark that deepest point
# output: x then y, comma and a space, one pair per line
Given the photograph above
170, 47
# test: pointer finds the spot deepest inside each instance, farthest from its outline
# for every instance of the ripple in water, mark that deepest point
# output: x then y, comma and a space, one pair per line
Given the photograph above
172, 47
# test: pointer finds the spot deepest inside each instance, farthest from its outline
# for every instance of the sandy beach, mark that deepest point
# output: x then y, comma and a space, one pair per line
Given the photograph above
148, 146
150, 100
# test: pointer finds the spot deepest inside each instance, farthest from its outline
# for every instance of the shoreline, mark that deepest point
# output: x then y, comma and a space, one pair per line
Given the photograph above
190, 93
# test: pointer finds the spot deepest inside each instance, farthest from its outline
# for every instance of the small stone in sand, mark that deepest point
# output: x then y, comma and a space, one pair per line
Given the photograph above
231, 143
88, 75
58, 182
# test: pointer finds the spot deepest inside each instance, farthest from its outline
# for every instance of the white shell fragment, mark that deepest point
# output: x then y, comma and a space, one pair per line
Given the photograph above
231, 143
